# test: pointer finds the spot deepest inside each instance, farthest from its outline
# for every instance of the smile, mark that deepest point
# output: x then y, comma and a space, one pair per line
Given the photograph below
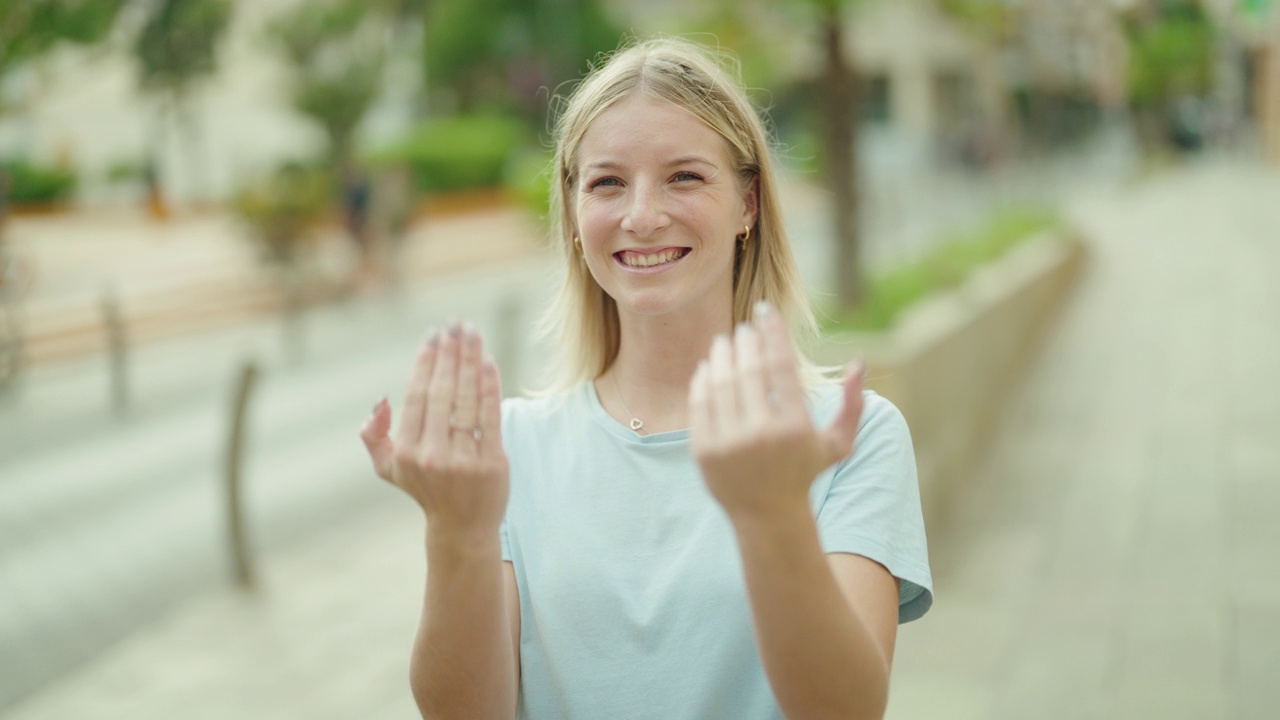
652, 259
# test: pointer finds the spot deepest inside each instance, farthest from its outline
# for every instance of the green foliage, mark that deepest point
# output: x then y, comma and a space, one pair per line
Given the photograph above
528, 177
474, 47
1171, 53
29, 183
988, 18
336, 52
949, 265
29, 28
282, 209
458, 153
178, 42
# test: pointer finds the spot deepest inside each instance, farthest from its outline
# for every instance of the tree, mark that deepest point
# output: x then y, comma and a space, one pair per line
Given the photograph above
176, 50
337, 52
31, 28
1172, 47
838, 85
498, 53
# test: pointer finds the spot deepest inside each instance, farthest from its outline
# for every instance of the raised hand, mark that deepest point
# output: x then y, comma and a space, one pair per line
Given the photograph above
447, 451
752, 434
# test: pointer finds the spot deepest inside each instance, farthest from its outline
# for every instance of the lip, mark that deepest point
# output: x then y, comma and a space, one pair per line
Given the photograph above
652, 270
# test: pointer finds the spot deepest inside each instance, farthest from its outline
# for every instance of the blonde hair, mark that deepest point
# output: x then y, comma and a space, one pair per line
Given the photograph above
583, 317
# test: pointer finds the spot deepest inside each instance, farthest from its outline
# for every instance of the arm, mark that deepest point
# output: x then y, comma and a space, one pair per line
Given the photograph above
825, 627
447, 455
464, 663
825, 624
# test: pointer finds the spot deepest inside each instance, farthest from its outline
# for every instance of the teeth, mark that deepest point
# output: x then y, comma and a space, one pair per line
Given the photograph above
634, 260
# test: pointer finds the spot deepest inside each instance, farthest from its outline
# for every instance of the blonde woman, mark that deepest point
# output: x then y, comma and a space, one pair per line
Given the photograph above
692, 524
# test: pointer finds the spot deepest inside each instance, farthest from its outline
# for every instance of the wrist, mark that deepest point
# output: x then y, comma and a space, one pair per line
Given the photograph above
780, 521
462, 544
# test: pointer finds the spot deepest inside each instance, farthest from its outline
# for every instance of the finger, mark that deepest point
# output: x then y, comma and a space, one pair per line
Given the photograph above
781, 368
466, 393
490, 418
700, 416
722, 385
753, 388
840, 434
416, 391
441, 390
376, 441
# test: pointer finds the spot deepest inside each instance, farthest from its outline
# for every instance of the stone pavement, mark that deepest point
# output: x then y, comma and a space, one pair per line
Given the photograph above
1118, 554
1115, 557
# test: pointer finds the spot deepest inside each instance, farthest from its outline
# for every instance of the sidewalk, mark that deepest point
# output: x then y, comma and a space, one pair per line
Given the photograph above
199, 273
1115, 557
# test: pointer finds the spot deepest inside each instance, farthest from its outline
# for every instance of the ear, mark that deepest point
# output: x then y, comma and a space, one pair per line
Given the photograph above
751, 201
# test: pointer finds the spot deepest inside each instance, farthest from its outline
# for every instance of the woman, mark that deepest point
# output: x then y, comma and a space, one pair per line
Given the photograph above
667, 534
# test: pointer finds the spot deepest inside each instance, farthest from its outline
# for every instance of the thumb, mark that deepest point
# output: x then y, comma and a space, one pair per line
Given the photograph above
374, 433
839, 435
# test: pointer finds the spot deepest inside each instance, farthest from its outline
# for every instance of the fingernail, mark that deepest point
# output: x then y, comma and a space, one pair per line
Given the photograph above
742, 327
455, 329
764, 307
434, 340
378, 405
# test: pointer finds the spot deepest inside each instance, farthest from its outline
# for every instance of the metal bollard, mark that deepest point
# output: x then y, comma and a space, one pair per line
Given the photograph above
117, 350
237, 528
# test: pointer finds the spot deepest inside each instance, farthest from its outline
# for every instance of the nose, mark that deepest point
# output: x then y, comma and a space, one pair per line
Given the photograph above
646, 214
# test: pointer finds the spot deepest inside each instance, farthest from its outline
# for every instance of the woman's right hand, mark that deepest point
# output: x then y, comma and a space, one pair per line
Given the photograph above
447, 451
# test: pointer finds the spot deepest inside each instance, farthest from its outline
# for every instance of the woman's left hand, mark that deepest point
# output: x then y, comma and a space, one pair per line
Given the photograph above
752, 434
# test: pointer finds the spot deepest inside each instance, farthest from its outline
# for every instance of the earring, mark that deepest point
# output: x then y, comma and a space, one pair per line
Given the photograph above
577, 243
746, 234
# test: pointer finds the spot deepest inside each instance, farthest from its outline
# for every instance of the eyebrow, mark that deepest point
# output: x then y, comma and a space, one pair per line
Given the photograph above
682, 160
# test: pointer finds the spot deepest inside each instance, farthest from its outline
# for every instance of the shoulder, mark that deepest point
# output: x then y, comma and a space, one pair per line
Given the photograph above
879, 415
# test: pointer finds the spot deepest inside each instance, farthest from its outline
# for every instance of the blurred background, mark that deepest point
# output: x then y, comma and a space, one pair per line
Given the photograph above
1051, 226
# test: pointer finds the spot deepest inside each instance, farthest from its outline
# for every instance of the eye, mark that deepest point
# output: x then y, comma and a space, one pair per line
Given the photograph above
685, 175
605, 182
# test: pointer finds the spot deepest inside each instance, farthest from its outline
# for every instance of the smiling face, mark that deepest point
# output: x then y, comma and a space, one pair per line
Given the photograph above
658, 207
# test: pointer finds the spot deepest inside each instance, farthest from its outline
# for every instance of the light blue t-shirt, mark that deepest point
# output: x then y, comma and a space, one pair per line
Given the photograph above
632, 597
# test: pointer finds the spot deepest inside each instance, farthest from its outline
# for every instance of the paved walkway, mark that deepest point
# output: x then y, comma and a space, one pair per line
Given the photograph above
1118, 556
1115, 557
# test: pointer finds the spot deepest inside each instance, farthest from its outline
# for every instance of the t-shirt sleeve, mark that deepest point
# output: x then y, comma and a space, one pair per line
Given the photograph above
872, 507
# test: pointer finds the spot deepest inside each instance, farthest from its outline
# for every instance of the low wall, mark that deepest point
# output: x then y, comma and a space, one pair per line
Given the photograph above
951, 360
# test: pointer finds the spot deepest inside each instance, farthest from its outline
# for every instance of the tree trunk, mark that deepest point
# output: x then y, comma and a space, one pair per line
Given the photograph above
839, 98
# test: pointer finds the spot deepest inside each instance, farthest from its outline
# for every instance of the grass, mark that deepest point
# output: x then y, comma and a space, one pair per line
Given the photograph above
947, 266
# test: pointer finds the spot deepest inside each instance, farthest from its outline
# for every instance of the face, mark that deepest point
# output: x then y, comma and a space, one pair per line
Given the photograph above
658, 208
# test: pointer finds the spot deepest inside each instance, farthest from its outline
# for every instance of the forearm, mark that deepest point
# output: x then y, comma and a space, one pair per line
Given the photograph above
821, 658
463, 664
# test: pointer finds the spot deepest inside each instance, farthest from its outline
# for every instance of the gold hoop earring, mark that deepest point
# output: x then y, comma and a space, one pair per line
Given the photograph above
577, 243
746, 234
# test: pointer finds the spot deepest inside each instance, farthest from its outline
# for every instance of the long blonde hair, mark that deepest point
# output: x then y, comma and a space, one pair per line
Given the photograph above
583, 318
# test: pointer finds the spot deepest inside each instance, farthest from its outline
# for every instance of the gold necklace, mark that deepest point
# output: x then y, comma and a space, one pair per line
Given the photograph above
636, 423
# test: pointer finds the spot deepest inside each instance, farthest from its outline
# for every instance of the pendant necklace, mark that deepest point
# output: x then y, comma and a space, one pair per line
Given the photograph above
636, 423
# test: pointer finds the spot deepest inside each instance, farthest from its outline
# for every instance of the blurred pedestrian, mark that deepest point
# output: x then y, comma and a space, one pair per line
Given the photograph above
693, 522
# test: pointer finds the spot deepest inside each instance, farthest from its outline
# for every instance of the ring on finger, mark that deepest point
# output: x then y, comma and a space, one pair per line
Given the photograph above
473, 431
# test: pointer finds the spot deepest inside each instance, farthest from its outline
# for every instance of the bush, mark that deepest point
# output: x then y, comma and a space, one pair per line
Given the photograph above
28, 183
947, 266
528, 177
457, 153
281, 210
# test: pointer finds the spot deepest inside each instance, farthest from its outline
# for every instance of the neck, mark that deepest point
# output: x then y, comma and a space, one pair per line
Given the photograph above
649, 379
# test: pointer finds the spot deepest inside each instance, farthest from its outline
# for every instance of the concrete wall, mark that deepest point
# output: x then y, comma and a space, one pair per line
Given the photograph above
951, 361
